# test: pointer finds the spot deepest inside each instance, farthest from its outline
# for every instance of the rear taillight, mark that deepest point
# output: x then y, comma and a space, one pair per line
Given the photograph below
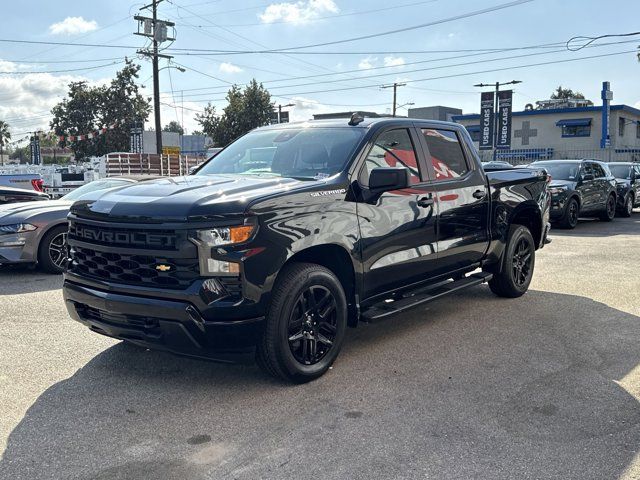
37, 184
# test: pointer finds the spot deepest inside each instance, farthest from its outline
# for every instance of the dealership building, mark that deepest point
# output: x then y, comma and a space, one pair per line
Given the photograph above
567, 128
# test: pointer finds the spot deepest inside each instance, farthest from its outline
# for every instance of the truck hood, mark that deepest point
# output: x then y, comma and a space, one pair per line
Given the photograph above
187, 198
20, 212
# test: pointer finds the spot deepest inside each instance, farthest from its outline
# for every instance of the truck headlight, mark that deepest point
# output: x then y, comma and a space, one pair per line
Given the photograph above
217, 237
557, 190
208, 239
16, 228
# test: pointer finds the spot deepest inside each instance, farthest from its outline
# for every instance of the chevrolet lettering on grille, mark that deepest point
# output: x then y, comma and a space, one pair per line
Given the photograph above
138, 239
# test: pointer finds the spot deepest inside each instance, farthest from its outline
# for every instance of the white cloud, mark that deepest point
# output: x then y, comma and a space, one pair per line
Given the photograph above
227, 67
367, 63
305, 108
393, 61
299, 12
73, 26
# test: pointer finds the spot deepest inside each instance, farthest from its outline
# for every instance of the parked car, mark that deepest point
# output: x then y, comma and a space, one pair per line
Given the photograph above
295, 231
36, 232
19, 195
27, 181
580, 188
628, 184
496, 165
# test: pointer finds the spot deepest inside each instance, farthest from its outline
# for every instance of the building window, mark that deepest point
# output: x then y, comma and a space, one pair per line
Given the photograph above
637, 129
621, 123
576, 127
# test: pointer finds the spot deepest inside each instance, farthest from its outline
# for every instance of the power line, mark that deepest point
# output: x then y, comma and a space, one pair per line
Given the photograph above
590, 40
406, 29
339, 15
438, 67
49, 62
84, 69
465, 74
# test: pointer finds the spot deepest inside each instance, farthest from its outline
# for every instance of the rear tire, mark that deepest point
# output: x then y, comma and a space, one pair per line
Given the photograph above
609, 212
571, 214
52, 252
305, 325
627, 209
518, 262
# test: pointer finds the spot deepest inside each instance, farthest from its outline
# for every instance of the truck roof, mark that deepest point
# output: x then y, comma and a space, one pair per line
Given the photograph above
344, 122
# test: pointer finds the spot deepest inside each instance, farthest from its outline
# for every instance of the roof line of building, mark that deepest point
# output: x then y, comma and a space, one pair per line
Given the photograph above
626, 108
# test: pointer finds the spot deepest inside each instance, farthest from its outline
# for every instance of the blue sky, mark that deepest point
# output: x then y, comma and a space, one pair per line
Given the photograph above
26, 96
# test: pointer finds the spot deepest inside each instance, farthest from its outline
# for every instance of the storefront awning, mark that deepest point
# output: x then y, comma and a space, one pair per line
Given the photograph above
574, 122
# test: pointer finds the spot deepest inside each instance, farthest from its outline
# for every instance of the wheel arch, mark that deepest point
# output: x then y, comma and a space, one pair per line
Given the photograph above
529, 215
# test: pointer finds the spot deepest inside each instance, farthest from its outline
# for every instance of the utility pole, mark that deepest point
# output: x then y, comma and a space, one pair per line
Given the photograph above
497, 86
157, 31
395, 91
280, 110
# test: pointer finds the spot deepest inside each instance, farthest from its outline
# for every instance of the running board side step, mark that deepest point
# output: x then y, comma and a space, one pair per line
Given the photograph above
413, 298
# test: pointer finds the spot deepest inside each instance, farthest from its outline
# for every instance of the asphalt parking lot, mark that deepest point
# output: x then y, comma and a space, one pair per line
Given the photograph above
472, 386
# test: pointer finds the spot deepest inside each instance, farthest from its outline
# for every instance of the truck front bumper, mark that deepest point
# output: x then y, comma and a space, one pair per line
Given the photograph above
171, 325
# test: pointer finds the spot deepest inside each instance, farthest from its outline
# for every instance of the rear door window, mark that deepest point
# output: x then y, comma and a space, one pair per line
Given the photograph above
447, 156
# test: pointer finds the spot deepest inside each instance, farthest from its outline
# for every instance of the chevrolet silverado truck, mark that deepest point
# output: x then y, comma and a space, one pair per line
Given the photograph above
293, 233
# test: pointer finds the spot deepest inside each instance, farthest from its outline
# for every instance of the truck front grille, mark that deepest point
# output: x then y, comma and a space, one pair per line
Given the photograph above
137, 269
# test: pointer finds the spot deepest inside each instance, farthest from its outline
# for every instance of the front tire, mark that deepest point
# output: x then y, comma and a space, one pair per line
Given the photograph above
518, 262
305, 325
52, 252
627, 209
609, 212
572, 212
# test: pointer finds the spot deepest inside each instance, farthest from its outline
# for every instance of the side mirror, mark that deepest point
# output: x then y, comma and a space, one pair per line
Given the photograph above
587, 177
384, 179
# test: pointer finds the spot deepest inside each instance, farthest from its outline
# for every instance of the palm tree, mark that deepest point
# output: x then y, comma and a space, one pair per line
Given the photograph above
5, 136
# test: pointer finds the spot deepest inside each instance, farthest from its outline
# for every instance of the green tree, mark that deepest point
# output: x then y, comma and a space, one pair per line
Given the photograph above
565, 93
245, 111
5, 136
87, 109
174, 127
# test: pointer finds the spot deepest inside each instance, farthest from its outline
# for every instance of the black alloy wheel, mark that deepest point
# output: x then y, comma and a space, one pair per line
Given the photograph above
521, 262
513, 277
312, 325
610, 209
305, 324
572, 213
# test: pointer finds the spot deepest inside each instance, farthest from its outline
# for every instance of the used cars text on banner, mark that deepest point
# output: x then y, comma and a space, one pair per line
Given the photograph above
505, 103
486, 120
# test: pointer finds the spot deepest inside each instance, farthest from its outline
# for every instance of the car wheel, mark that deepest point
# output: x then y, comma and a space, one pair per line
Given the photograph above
305, 325
609, 212
52, 252
627, 209
571, 214
518, 262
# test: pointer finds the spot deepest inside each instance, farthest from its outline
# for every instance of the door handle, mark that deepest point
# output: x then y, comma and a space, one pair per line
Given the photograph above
479, 194
425, 202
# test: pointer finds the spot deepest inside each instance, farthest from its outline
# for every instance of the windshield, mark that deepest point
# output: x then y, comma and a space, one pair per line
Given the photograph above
621, 171
307, 153
93, 186
561, 171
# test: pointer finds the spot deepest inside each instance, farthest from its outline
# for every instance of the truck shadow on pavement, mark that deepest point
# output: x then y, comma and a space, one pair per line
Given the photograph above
472, 386
18, 279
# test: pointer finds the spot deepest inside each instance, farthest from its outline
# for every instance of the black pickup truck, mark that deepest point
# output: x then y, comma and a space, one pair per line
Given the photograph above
294, 232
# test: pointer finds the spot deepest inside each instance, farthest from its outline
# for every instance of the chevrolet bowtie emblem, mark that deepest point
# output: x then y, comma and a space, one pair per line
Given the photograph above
163, 268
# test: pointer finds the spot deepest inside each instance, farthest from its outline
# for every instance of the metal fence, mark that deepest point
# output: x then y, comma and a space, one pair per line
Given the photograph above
525, 156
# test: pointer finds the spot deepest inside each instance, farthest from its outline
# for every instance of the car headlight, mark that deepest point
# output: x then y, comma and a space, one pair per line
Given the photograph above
16, 228
557, 190
211, 238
